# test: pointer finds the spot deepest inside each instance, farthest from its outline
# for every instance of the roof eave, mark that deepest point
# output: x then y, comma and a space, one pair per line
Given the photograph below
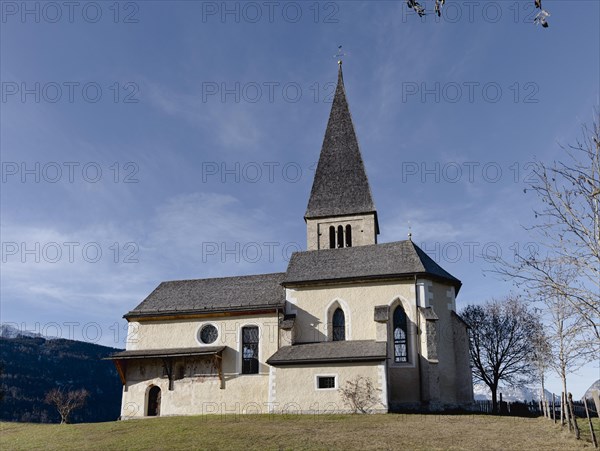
374, 213
325, 360
169, 313
406, 276
340, 215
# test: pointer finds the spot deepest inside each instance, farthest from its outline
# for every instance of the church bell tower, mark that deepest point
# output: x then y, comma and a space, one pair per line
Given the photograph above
341, 212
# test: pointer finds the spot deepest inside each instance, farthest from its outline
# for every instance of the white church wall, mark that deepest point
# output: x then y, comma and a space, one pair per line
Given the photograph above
296, 389
183, 333
199, 395
358, 302
454, 369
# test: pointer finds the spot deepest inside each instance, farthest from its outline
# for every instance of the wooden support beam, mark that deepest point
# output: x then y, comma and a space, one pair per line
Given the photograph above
219, 364
168, 365
121, 369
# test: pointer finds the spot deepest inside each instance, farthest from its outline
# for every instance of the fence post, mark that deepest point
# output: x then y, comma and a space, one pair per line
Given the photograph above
553, 408
572, 413
587, 414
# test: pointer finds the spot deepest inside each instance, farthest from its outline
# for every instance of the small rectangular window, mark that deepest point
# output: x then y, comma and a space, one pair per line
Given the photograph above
324, 382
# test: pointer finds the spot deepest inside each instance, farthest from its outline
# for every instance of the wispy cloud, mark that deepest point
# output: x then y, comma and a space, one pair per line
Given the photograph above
231, 128
193, 235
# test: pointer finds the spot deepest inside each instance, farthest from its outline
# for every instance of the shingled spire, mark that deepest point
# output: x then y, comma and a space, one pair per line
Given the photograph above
341, 187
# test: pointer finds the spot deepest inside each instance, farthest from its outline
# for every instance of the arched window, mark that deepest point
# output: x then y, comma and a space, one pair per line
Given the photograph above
332, 237
250, 350
340, 236
400, 336
348, 235
339, 325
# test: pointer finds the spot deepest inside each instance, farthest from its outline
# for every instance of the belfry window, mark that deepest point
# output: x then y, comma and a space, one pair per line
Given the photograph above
332, 237
400, 336
340, 236
348, 235
339, 325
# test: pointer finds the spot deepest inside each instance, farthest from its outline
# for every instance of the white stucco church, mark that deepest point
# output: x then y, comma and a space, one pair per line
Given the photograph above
348, 306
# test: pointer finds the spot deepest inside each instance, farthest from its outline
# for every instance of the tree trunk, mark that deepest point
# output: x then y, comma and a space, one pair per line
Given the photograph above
562, 409
596, 397
494, 399
563, 376
544, 401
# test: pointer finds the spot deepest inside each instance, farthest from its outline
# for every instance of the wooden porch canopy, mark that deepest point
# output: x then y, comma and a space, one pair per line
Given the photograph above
120, 359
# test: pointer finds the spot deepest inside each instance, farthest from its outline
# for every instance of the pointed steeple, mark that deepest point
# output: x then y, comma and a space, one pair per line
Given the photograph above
340, 187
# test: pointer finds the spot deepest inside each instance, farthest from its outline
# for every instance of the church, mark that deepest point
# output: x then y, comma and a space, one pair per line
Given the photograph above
345, 308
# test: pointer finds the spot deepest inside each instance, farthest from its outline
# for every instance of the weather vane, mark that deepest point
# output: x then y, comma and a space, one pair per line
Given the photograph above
339, 55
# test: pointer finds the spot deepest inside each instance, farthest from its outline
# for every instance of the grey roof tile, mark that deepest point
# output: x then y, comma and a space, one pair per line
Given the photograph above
340, 186
213, 295
386, 260
329, 351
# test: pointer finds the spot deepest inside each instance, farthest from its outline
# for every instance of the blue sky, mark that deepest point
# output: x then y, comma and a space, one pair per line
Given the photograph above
179, 139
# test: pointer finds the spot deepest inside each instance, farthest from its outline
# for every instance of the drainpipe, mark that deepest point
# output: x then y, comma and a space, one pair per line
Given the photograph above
418, 338
278, 330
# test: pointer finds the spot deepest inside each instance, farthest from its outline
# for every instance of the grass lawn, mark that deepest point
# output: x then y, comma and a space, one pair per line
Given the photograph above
584, 428
279, 432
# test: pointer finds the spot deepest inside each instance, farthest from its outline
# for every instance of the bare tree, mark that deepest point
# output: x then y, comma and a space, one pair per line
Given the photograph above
541, 358
567, 229
360, 394
539, 19
501, 344
66, 402
564, 326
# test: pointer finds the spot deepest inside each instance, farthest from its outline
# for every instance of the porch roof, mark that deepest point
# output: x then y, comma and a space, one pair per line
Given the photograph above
330, 352
160, 353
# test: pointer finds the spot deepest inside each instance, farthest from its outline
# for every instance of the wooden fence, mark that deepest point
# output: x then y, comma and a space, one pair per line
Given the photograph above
567, 417
531, 408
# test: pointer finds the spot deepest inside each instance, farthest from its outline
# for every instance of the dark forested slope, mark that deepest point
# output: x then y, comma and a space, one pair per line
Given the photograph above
32, 366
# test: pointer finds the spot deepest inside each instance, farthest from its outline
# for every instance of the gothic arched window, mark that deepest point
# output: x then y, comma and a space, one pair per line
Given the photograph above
331, 237
339, 325
340, 236
400, 335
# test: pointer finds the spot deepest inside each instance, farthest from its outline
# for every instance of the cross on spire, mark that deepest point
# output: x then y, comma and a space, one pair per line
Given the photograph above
339, 55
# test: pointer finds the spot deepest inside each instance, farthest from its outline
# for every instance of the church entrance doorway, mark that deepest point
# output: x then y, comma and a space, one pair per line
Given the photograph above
154, 401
